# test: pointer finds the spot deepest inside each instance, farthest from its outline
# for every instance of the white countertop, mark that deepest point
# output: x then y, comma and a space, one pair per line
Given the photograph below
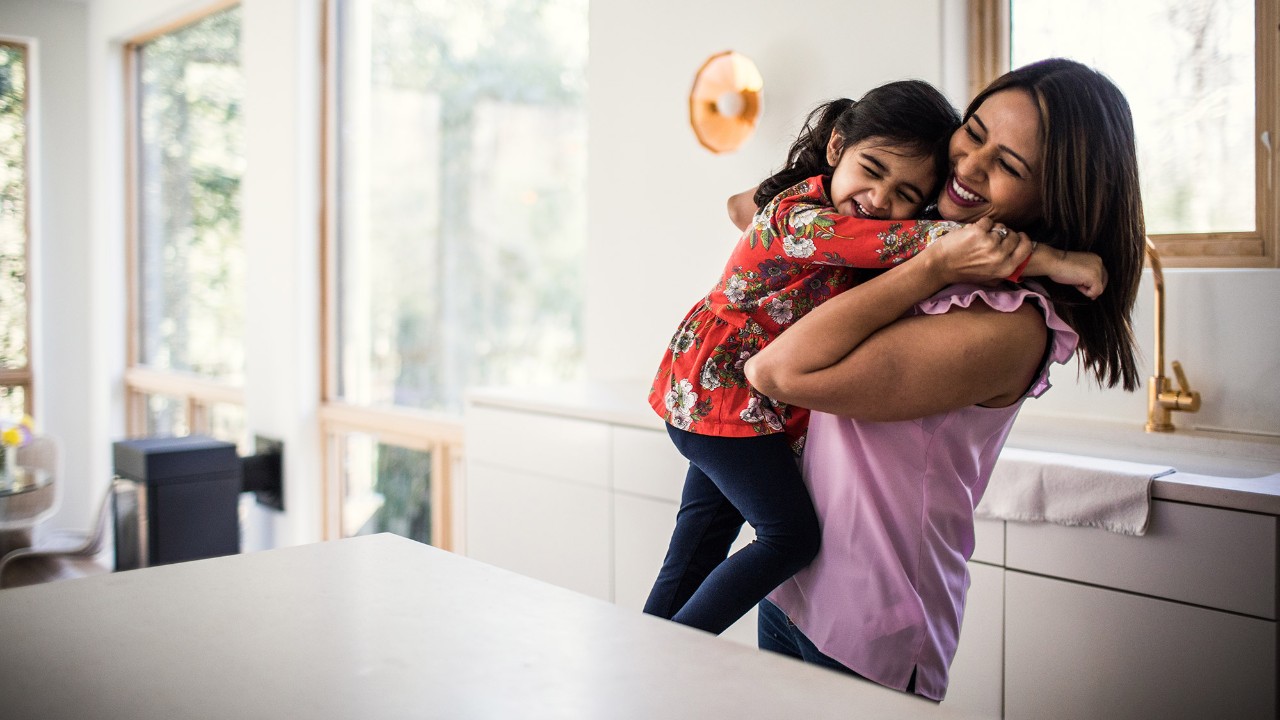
1218, 469
383, 627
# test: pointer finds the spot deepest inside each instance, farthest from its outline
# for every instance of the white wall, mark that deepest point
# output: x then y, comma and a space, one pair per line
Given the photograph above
658, 230
649, 257
61, 270
280, 219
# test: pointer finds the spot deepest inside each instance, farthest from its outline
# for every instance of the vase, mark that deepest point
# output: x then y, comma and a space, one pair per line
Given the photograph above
8, 460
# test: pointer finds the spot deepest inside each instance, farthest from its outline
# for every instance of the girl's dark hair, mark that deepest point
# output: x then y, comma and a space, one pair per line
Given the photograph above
910, 113
1090, 201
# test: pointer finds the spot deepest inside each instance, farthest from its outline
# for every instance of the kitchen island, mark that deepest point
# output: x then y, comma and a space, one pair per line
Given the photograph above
383, 627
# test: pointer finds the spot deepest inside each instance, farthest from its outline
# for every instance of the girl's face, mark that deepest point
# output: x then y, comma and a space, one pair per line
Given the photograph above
874, 179
996, 163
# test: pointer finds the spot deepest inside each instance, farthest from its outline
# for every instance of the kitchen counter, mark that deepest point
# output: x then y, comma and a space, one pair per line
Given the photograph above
1218, 469
383, 627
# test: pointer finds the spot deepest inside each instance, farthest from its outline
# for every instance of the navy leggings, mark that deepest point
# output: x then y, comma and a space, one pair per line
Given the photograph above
731, 479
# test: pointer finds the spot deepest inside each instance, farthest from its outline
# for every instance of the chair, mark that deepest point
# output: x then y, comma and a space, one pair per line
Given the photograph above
19, 514
63, 555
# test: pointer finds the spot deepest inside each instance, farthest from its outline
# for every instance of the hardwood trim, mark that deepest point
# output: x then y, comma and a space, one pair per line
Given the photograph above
15, 376
988, 42
182, 21
437, 434
328, 204
413, 429
988, 37
1268, 109
131, 197
184, 385
23, 376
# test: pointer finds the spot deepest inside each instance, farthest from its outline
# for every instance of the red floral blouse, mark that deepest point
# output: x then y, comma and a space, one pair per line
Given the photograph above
796, 254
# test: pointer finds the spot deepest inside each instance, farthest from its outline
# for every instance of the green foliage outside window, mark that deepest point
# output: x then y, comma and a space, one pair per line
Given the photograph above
13, 207
462, 208
191, 159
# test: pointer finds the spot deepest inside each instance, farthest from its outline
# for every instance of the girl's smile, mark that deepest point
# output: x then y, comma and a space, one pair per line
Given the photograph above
876, 180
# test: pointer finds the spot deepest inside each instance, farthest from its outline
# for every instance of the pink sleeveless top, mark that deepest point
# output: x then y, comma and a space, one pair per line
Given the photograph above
885, 595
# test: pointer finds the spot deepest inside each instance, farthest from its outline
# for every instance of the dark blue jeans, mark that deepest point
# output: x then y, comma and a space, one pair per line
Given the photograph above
731, 479
776, 633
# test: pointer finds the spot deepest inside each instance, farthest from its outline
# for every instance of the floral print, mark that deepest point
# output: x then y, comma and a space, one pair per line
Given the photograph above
796, 254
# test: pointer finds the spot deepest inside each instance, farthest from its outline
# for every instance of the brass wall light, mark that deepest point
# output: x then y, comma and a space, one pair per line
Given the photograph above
726, 100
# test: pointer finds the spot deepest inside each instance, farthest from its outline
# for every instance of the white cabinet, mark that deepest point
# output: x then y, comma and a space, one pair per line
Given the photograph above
1199, 555
1059, 622
538, 498
586, 505
545, 528
976, 686
1178, 623
1076, 651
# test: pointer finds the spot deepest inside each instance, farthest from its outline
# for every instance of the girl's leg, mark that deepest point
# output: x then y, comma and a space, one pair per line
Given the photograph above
760, 477
706, 527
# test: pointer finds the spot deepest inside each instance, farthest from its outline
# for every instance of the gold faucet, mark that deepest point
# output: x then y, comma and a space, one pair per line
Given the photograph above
1162, 399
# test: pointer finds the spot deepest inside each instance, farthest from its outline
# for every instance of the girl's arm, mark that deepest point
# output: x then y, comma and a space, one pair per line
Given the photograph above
1082, 270
742, 207
854, 356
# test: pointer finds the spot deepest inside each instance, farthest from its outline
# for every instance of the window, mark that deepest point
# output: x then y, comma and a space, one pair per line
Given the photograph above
15, 285
457, 225
1200, 78
186, 349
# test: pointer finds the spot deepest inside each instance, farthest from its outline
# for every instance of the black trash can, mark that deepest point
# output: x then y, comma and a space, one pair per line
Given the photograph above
177, 499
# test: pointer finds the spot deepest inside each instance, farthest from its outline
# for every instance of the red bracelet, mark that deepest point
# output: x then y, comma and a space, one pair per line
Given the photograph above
1017, 274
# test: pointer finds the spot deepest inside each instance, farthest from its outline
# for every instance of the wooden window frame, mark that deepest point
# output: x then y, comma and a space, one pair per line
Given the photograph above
989, 49
24, 377
197, 394
439, 434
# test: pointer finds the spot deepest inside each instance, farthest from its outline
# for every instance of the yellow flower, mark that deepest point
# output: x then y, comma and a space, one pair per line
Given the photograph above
11, 436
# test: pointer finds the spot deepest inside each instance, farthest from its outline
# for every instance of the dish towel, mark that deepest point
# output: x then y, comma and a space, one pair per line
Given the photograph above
1036, 486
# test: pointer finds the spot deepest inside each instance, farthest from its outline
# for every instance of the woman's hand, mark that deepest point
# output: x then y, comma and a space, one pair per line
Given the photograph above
977, 253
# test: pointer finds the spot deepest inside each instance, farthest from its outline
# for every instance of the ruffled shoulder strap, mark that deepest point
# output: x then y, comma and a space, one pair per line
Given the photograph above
1007, 298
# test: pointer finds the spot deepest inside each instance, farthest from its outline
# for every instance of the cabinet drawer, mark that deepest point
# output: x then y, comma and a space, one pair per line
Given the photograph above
551, 530
988, 541
1078, 652
537, 444
646, 463
1207, 556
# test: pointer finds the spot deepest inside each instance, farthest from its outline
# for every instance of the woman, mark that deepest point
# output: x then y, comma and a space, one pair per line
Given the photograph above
915, 377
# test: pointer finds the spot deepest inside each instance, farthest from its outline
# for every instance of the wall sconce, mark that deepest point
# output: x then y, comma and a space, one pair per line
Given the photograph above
726, 100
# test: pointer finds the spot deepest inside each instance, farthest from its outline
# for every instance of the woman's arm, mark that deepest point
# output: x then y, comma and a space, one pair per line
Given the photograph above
853, 356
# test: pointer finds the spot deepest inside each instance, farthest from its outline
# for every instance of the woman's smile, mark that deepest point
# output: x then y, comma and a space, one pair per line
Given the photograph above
962, 195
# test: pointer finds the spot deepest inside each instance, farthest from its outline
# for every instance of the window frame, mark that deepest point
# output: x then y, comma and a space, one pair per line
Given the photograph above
439, 434
24, 377
989, 50
197, 394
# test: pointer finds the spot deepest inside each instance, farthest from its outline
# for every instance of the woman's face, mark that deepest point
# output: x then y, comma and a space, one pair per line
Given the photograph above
996, 163
876, 179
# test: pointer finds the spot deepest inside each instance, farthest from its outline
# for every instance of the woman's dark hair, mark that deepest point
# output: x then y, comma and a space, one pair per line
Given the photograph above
911, 113
1090, 202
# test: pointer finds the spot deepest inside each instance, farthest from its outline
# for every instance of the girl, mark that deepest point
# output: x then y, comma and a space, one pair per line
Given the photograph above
853, 164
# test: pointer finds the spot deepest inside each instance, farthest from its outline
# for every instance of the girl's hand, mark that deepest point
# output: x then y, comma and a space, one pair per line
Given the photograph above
1082, 270
978, 253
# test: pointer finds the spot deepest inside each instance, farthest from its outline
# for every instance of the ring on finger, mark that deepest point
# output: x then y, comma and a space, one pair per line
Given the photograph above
1001, 231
